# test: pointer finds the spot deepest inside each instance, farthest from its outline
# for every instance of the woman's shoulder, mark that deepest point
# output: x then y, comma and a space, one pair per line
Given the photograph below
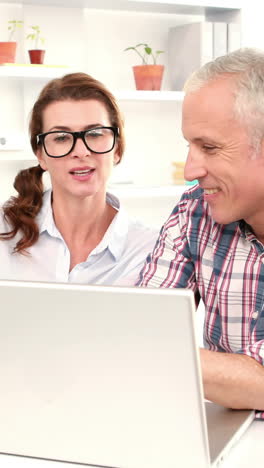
137, 225
4, 225
141, 234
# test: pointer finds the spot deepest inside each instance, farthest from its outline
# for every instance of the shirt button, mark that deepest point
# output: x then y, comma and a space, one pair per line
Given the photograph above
255, 314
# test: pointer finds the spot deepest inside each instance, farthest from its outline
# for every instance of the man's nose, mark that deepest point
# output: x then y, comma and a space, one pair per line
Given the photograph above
195, 166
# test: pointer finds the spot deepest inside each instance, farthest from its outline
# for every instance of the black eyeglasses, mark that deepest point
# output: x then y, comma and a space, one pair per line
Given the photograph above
58, 144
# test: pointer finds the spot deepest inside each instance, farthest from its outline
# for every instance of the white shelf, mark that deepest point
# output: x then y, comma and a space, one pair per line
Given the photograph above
184, 7
45, 71
168, 6
32, 71
16, 156
134, 191
149, 95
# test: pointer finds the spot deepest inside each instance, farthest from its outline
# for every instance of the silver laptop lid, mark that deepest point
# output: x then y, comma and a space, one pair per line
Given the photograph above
225, 427
105, 376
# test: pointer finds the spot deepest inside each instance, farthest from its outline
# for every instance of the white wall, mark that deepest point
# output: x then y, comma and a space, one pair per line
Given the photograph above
93, 41
252, 24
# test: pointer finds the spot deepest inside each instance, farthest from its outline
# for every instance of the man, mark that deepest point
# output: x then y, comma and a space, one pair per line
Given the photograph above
213, 242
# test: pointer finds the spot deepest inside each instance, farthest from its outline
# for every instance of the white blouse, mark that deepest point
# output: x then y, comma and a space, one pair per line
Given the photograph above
116, 260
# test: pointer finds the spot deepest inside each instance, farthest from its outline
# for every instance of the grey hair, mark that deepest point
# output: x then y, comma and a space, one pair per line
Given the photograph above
246, 66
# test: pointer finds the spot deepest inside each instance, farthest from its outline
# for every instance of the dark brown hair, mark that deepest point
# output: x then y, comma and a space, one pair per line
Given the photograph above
20, 211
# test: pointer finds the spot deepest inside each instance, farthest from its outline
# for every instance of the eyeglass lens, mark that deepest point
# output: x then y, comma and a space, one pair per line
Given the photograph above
99, 140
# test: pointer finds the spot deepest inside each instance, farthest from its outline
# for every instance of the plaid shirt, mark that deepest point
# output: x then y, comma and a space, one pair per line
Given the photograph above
222, 264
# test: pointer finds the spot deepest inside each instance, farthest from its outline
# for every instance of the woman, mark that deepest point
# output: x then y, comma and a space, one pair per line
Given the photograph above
75, 232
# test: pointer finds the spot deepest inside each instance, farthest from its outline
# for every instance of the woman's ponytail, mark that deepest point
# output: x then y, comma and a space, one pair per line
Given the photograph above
20, 211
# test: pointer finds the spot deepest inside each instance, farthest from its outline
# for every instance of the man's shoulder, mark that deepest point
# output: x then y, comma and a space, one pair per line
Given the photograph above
192, 214
193, 193
192, 200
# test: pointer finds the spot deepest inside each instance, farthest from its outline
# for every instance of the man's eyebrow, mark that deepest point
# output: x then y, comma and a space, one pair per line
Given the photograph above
202, 139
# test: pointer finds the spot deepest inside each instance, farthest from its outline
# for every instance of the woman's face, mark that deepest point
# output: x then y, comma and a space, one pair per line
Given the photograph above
81, 173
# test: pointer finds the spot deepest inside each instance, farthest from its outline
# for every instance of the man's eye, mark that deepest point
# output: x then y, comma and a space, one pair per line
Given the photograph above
209, 148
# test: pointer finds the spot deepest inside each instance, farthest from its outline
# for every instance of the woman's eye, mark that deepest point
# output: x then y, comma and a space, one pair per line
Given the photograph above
61, 138
95, 133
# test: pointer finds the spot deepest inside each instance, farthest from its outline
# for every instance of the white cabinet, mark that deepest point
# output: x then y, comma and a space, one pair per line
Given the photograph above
90, 36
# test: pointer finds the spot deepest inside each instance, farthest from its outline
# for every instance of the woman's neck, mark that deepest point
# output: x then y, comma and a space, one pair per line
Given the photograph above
82, 223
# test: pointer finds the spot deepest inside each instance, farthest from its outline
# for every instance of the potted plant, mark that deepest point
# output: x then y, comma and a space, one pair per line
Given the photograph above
147, 76
36, 55
8, 49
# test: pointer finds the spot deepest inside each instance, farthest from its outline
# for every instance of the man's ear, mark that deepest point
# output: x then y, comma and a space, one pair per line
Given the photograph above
41, 160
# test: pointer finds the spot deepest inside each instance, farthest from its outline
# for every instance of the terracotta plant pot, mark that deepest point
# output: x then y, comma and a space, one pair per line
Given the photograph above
36, 56
7, 52
148, 77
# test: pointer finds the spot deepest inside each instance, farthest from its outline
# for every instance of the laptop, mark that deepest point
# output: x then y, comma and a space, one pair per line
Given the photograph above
106, 377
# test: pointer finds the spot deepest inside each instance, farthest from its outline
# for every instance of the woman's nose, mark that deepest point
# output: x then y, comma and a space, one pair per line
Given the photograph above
80, 149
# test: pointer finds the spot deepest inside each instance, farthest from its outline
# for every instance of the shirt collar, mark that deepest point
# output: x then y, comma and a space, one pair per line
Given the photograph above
116, 234
45, 217
246, 231
114, 238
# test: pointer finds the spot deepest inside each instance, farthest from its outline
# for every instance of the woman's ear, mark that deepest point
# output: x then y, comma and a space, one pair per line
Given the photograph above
117, 158
41, 160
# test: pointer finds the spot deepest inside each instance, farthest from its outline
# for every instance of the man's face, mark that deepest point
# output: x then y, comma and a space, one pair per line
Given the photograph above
221, 155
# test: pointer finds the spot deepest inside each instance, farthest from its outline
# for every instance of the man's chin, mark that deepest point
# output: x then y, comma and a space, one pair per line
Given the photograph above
221, 217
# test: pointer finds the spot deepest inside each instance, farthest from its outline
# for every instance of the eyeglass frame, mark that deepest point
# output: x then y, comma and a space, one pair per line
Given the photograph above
41, 139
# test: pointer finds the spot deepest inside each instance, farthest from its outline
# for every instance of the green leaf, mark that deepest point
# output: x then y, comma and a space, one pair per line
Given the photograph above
147, 54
